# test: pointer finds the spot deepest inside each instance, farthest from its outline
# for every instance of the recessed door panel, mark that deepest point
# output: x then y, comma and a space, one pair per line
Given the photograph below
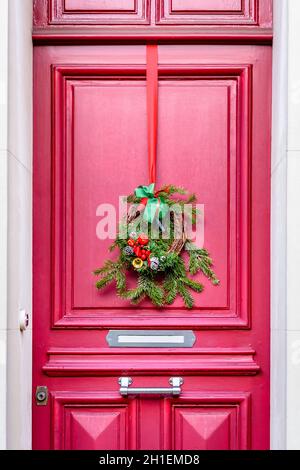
152, 17
105, 127
197, 420
98, 12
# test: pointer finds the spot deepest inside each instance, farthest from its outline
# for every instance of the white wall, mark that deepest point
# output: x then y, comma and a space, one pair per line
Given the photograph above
3, 213
278, 226
285, 377
293, 229
19, 368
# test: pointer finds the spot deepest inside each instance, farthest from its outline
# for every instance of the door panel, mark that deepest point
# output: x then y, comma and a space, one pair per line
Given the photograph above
100, 12
204, 429
86, 161
142, 17
227, 12
88, 420
204, 419
90, 147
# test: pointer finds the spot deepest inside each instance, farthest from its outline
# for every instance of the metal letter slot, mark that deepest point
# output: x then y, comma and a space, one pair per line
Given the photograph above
175, 389
150, 338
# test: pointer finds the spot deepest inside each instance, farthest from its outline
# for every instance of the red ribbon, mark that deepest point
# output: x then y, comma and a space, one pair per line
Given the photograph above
152, 108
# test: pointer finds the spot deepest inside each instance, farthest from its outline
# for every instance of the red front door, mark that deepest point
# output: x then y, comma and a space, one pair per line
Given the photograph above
91, 147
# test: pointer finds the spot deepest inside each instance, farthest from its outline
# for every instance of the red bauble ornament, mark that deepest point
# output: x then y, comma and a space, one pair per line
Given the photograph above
138, 252
131, 242
143, 239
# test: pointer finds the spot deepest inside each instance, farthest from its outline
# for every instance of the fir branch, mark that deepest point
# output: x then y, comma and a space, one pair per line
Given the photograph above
112, 271
191, 198
201, 261
155, 293
113, 246
172, 189
170, 288
145, 287
105, 281
134, 295
106, 268
185, 294
120, 281
194, 285
132, 199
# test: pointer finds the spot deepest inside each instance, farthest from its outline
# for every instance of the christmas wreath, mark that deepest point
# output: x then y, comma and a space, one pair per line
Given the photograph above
151, 241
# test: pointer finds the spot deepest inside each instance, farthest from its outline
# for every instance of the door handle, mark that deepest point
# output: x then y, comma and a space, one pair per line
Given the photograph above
174, 390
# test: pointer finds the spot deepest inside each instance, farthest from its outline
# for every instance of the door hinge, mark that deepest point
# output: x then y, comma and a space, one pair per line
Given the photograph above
41, 395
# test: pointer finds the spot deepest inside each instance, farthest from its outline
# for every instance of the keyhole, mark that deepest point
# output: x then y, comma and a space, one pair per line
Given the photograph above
41, 396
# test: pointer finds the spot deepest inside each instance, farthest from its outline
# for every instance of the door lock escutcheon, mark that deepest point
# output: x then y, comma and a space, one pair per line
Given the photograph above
41, 395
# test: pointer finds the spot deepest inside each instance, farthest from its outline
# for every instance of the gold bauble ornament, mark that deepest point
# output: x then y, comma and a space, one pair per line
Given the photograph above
137, 263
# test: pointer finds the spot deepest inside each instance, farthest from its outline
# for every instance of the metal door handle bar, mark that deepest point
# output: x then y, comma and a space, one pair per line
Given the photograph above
174, 390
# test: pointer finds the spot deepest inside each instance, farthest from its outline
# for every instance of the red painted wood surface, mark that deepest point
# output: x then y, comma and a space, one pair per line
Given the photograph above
90, 146
88, 20
210, 12
99, 12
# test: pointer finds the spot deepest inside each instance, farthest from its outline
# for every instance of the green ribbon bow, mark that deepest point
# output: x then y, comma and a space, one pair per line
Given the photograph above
155, 206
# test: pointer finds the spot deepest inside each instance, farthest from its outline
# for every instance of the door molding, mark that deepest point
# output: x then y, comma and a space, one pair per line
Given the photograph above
69, 362
57, 22
235, 313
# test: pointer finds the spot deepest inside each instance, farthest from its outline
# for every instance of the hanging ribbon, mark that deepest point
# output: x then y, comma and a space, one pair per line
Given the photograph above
155, 204
152, 107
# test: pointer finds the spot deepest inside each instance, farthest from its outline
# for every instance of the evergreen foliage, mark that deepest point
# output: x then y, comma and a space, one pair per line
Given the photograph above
172, 278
